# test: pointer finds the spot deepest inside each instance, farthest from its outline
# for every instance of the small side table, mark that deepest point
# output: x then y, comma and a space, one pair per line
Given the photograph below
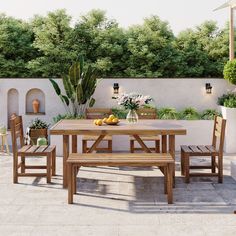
3, 138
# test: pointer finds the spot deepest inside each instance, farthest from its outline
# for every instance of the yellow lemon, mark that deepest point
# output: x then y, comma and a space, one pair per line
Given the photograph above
99, 122
104, 120
115, 120
95, 122
111, 117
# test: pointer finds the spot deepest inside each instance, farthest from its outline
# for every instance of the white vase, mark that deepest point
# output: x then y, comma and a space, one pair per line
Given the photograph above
230, 133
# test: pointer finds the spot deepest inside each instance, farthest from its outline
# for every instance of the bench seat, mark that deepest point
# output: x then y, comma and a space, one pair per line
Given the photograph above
163, 160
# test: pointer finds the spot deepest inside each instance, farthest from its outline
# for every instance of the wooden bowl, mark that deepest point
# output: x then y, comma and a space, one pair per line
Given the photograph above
112, 123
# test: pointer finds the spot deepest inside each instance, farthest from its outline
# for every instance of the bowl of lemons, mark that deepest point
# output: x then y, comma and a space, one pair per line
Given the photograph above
111, 120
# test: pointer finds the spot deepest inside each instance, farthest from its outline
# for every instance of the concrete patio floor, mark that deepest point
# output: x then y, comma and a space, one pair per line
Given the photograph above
116, 201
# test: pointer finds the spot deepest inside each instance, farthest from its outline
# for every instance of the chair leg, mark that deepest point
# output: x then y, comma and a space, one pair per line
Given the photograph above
132, 146
170, 168
22, 164
109, 142
213, 164
74, 178
84, 146
15, 169
186, 167
157, 146
182, 162
220, 169
54, 162
165, 179
49, 166
70, 183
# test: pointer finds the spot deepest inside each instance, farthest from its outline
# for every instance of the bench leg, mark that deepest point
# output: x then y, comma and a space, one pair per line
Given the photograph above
165, 179
84, 146
15, 169
132, 146
54, 162
109, 143
170, 168
70, 183
49, 167
157, 146
186, 167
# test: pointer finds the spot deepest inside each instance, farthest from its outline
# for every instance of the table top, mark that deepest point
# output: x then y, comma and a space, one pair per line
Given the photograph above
142, 127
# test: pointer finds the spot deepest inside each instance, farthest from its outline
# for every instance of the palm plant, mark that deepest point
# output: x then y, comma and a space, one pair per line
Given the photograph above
189, 113
79, 85
209, 114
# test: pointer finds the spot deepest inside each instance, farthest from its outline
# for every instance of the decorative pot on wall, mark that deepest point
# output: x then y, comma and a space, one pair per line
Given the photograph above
230, 133
36, 105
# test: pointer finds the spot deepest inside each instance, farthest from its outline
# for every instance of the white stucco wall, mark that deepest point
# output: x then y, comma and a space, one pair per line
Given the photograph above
178, 93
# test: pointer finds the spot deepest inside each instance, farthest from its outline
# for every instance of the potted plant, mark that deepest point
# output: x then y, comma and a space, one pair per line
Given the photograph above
38, 129
167, 113
227, 103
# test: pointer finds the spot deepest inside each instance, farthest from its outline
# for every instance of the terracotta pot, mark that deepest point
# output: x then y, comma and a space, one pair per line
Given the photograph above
36, 105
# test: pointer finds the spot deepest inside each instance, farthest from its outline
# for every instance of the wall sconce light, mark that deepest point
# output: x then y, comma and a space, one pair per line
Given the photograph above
208, 88
116, 88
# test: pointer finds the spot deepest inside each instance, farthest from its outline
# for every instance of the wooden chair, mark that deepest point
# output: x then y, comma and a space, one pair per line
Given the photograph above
29, 151
97, 113
214, 150
146, 113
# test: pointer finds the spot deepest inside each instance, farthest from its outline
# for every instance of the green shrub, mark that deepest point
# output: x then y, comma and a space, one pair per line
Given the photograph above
209, 114
227, 100
66, 117
230, 71
167, 113
38, 124
189, 113
120, 113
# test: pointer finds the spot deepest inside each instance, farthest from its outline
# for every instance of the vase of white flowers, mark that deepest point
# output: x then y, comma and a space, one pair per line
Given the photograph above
133, 102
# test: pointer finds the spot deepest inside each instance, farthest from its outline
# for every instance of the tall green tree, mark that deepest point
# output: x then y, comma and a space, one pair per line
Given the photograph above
16, 38
203, 51
150, 48
53, 40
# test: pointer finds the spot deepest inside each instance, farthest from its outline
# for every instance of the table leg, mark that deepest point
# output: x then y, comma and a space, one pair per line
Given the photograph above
172, 152
66, 144
142, 144
74, 144
164, 143
96, 143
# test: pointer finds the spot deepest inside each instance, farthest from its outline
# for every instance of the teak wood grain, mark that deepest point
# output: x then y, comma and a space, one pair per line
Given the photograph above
164, 160
165, 128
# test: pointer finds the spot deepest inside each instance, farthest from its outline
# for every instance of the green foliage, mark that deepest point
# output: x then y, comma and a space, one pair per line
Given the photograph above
119, 113
231, 102
45, 46
189, 113
66, 117
38, 124
209, 114
167, 113
79, 85
225, 98
230, 71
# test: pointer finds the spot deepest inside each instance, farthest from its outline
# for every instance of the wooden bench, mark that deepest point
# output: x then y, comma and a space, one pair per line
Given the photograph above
162, 160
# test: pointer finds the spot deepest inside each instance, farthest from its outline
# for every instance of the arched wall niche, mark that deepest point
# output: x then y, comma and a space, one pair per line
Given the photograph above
32, 95
12, 104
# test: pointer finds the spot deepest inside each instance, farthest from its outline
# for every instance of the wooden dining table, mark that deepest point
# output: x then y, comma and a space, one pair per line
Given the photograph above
168, 129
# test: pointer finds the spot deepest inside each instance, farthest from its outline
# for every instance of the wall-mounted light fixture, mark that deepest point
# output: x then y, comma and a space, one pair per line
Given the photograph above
208, 88
116, 88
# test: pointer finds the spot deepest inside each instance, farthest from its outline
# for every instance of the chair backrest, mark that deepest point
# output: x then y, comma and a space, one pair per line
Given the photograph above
17, 133
147, 113
97, 113
219, 133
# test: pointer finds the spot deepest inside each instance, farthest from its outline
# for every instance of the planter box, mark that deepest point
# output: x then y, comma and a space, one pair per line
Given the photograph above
198, 132
230, 133
36, 133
